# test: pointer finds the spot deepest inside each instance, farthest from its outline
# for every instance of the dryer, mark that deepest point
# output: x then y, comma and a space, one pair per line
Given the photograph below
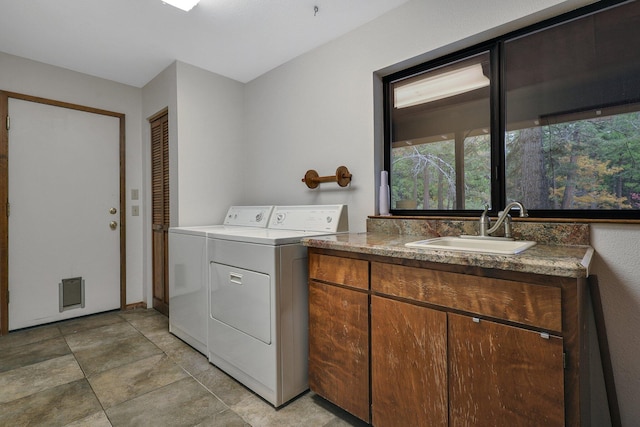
258, 304
188, 272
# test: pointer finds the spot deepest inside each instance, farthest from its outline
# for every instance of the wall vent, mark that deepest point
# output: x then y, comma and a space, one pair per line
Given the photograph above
71, 293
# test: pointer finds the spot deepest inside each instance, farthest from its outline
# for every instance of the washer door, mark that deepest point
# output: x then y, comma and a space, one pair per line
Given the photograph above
241, 299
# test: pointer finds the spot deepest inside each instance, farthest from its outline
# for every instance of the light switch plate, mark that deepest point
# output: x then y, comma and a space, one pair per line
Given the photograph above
134, 194
135, 210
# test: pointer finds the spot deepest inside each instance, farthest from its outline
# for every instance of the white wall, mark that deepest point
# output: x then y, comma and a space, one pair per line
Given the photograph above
319, 111
616, 265
33, 78
206, 151
211, 153
206, 148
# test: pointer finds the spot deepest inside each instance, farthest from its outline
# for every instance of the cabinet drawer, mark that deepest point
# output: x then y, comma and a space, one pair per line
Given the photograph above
533, 305
342, 271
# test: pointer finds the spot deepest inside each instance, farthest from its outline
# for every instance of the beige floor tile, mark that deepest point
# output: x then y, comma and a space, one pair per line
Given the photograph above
139, 312
188, 358
226, 418
89, 322
39, 351
129, 381
304, 411
28, 336
222, 385
149, 323
114, 353
137, 368
55, 406
31, 379
92, 338
164, 339
183, 403
98, 419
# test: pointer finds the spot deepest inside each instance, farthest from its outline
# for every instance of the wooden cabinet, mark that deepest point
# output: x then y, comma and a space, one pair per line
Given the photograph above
339, 333
448, 345
511, 300
503, 375
408, 364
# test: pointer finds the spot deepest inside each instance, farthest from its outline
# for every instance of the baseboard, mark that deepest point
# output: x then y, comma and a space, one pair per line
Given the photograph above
135, 305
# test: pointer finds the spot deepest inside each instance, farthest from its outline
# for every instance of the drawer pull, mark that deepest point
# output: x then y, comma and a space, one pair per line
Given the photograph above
476, 319
235, 278
544, 335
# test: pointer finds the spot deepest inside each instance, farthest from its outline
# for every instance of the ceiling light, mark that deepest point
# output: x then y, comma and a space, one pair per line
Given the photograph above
185, 5
441, 86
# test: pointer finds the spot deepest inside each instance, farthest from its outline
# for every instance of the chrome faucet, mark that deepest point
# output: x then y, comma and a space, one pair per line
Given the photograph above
503, 216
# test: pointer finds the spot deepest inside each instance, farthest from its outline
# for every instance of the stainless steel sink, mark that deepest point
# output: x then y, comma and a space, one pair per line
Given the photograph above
489, 246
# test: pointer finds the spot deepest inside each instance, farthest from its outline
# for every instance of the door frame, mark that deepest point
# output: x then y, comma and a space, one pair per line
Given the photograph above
4, 195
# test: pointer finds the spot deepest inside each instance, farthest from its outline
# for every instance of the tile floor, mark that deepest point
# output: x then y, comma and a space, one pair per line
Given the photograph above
124, 368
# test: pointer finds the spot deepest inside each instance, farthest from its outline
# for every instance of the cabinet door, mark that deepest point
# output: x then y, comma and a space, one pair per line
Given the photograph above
408, 364
501, 375
339, 347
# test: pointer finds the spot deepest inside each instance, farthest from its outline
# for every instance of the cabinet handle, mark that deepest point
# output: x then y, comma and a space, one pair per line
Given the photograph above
235, 278
476, 319
544, 335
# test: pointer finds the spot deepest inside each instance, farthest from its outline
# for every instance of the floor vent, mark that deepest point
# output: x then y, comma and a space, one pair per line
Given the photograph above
71, 293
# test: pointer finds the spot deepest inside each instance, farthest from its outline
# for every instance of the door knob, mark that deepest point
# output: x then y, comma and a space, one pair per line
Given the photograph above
113, 211
113, 225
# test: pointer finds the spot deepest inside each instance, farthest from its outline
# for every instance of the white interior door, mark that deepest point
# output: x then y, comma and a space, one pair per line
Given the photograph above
63, 180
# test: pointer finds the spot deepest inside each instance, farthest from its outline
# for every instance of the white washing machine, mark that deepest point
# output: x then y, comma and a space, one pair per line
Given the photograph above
188, 272
258, 299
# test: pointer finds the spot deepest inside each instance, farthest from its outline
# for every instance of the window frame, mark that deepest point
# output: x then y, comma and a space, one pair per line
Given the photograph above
496, 47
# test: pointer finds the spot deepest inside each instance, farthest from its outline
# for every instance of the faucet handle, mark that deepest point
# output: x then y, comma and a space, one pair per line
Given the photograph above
485, 221
507, 226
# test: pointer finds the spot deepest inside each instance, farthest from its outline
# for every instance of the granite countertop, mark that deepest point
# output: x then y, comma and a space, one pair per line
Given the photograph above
554, 260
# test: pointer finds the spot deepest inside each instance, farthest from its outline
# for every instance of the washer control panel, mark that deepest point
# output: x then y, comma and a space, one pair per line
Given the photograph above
248, 216
330, 218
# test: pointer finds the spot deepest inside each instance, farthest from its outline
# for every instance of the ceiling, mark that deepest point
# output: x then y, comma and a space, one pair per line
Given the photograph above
131, 41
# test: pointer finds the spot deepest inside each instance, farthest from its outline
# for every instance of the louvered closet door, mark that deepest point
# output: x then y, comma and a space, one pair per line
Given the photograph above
160, 212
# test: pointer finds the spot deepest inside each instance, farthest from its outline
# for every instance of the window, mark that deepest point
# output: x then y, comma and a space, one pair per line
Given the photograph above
549, 116
441, 147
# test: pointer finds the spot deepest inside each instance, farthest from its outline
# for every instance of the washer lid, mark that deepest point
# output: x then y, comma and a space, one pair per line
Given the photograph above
266, 236
194, 231
237, 217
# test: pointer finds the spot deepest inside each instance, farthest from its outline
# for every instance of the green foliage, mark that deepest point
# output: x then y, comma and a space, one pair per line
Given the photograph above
584, 164
588, 164
433, 165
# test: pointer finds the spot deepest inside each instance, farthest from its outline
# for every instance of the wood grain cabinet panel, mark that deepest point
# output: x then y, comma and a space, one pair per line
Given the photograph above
339, 347
408, 365
501, 375
344, 271
534, 305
